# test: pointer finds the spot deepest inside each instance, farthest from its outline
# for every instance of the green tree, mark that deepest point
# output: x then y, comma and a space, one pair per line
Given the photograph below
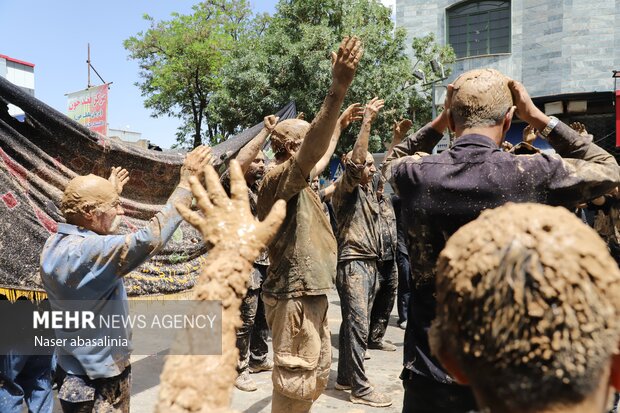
425, 49
288, 59
181, 61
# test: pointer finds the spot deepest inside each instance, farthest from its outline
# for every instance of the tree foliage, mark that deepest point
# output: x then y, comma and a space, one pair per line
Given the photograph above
224, 69
181, 61
290, 61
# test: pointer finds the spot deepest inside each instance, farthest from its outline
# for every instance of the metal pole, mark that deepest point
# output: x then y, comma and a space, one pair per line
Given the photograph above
88, 64
433, 107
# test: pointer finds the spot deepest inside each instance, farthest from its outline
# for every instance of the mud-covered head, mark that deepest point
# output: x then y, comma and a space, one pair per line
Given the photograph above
528, 307
481, 98
369, 167
92, 202
287, 136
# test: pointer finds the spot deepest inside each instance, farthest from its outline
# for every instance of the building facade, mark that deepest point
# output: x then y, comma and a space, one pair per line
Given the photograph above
563, 51
19, 73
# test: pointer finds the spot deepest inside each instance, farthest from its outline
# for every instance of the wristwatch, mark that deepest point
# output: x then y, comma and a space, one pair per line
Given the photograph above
552, 122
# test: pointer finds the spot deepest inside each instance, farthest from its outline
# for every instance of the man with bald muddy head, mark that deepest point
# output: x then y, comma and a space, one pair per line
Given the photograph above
303, 254
86, 261
528, 312
440, 193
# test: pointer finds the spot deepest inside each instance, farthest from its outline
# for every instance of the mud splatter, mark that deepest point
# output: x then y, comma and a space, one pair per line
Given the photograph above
85, 193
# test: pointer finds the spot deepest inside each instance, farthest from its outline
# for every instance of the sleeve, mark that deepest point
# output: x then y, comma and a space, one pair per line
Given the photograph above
113, 256
423, 141
582, 171
351, 177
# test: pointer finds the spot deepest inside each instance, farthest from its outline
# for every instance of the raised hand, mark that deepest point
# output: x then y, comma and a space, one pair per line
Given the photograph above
400, 129
344, 63
194, 163
270, 122
118, 177
372, 109
351, 114
579, 128
228, 222
529, 134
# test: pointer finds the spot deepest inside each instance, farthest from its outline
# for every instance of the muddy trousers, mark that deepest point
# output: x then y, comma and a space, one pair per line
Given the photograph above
384, 300
301, 350
253, 334
26, 379
403, 292
357, 284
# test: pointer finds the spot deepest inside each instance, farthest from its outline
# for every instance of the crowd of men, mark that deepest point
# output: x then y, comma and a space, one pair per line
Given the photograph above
509, 310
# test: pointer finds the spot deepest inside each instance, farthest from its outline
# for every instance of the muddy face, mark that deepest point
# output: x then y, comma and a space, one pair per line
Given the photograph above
94, 202
369, 169
315, 184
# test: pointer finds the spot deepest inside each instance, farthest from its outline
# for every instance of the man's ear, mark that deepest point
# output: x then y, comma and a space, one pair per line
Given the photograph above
614, 377
452, 366
508, 120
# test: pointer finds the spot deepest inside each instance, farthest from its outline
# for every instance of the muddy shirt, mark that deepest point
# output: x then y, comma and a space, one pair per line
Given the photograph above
607, 224
357, 216
440, 193
387, 229
303, 253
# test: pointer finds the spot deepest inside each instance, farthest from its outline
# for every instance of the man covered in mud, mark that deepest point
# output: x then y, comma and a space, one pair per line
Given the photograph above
357, 216
86, 261
528, 312
252, 335
440, 193
303, 254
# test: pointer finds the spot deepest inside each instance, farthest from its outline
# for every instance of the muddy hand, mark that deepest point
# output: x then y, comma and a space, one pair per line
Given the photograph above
344, 63
118, 177
351, 114
194, 163
227, 222
400, 129
529, 134
372, 109
270, 122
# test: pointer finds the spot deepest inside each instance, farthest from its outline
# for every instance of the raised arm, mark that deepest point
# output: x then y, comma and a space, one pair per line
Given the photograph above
248, 153
399, 130
226, 224
352, 113
360, 148
317, 139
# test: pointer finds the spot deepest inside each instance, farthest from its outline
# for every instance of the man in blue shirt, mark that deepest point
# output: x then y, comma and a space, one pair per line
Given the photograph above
84, 261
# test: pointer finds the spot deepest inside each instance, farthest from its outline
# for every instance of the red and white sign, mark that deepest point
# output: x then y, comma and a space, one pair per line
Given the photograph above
90, 108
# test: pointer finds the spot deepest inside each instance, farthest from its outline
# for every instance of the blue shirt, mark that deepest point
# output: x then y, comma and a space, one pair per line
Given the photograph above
78, 264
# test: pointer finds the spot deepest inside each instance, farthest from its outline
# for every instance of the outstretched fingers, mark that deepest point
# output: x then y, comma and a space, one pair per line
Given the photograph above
217, 195
238, 187
268, 228
190, 216
202, 198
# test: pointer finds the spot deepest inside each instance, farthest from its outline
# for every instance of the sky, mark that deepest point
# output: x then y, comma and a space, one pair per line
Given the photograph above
53, 35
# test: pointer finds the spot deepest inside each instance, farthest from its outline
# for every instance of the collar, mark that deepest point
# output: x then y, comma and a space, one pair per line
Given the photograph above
475, 140
70, 229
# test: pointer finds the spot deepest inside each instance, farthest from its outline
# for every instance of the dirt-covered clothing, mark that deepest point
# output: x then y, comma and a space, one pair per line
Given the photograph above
301, 350
607, 224
357, 284
387, 280
357, 216
440, 193
303, 253
387, 229
80, 394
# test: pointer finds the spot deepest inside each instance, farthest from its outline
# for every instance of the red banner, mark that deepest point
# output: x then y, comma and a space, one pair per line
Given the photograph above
90, 108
